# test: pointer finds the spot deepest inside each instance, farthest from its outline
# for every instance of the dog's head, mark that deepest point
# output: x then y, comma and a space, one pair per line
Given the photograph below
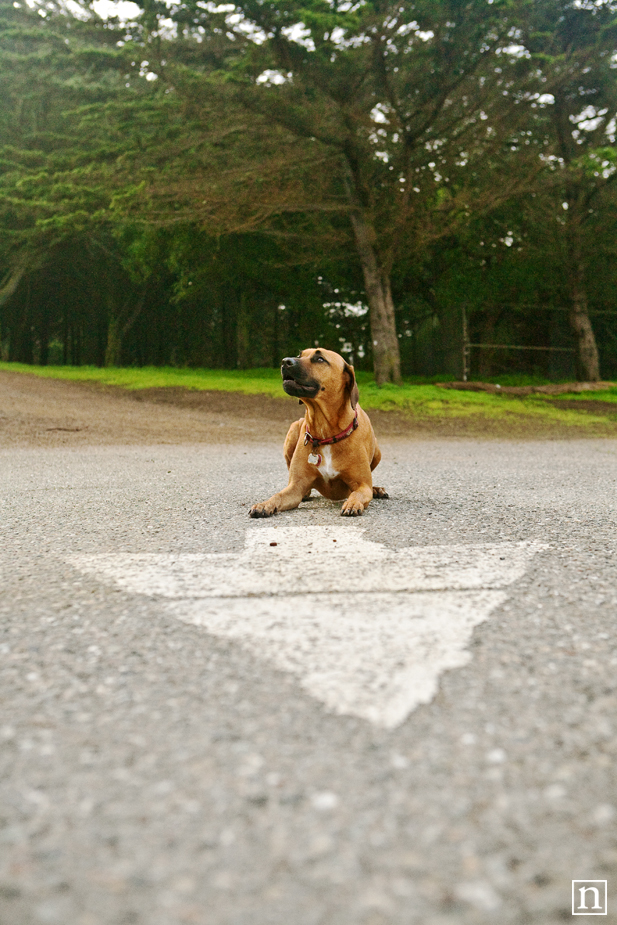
320, 375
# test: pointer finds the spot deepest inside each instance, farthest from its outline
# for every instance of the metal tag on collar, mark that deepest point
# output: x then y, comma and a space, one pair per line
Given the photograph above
314, 459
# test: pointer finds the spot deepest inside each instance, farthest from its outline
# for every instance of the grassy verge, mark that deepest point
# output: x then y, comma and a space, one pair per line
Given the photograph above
427, 402
251, 381
420, 398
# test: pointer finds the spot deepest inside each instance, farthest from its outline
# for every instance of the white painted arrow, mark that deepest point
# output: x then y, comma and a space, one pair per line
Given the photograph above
366, 629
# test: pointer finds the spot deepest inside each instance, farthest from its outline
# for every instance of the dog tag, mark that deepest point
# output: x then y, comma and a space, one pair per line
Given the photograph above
314, 459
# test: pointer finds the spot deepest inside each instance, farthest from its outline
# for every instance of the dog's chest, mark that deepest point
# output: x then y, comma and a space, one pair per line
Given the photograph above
325, 467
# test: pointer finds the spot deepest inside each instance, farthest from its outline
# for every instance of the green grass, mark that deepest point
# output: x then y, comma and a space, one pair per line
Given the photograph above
252, 381
420, 398
599, 395
429, 401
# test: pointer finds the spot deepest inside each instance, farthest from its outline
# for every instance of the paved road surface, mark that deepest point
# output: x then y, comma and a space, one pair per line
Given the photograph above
405, 718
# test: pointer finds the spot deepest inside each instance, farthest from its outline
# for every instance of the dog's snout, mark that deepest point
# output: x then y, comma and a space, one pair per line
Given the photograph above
290, 367
296, 382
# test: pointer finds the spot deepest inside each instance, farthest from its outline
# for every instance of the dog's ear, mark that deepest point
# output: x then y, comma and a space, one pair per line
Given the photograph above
352, 386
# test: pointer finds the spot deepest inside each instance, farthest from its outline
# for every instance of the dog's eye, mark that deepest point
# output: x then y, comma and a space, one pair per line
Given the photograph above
319, 360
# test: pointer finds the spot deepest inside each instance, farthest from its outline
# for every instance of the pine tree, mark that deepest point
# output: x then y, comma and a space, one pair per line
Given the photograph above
573, 45
381, 90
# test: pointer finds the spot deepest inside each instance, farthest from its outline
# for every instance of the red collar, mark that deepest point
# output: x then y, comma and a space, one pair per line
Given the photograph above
308, 438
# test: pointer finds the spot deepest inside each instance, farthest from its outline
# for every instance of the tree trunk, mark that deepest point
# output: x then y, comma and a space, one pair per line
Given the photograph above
386, 353
450, 355
114, 342
587, 358
118, 328
588, 361
10, 283
486, 359
44, 334
243, 334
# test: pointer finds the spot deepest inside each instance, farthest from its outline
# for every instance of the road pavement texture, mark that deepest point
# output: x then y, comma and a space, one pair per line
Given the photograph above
409, 717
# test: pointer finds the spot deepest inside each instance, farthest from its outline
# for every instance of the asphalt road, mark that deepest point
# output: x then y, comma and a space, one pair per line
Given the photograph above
180, 747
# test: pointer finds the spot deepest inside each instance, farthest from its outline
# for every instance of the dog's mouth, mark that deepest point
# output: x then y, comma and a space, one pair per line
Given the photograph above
299, 388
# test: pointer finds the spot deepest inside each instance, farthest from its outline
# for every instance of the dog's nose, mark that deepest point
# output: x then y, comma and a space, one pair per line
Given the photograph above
288, 362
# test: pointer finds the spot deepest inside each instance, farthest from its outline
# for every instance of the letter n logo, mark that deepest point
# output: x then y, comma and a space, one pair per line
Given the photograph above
589, 897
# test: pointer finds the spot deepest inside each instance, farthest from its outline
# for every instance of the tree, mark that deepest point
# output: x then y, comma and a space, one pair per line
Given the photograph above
243, 177
58, 170
573, 43
383, 88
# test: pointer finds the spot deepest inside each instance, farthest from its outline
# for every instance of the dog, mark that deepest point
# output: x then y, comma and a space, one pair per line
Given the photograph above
333, 447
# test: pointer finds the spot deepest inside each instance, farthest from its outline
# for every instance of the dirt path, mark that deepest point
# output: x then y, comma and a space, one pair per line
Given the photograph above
52, 412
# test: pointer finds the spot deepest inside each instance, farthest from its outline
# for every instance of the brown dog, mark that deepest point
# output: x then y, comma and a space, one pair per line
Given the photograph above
333, 447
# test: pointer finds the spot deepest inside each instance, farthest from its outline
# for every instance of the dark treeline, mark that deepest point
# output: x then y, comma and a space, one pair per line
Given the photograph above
215, 186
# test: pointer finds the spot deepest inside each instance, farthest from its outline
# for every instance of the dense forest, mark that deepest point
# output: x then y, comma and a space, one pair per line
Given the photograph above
221, 184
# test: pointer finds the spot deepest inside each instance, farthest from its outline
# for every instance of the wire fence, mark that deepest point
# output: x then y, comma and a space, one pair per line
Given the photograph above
468, 345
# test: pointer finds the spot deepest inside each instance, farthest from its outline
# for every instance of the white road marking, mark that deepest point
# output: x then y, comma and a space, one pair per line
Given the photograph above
366, 629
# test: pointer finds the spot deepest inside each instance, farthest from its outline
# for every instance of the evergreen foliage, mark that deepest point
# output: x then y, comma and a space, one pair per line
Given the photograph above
223, 184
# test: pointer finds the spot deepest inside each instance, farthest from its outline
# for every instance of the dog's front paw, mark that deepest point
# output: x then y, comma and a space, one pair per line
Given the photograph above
380, 492
263, 510
352, 508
